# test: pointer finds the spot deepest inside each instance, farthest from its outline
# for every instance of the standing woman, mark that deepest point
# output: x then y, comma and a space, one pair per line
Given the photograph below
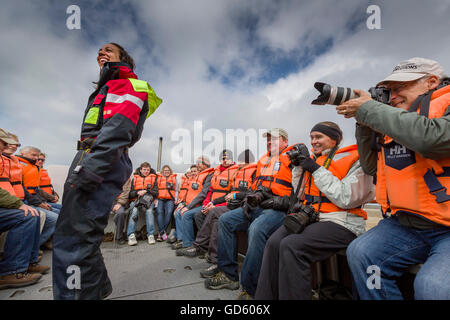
113, 122
167, 183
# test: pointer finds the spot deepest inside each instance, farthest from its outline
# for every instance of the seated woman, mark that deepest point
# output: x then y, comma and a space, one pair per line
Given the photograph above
336, 187
167, 186
144, 182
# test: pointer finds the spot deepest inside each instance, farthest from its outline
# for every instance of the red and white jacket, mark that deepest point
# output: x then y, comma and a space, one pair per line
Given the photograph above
115, 116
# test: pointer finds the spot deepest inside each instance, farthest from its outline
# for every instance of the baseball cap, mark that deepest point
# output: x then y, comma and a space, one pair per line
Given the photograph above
276, 132
226, 153
413, 69
6, 137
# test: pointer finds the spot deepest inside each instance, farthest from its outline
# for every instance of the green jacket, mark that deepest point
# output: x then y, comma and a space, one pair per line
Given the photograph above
428, 137
9, 201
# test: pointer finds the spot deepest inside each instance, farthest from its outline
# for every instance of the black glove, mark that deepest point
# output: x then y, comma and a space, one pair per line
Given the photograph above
281, 203
309, 164
276, 203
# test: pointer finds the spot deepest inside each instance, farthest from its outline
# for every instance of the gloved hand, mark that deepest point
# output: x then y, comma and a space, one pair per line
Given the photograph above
276, 203
281, 203
309, 164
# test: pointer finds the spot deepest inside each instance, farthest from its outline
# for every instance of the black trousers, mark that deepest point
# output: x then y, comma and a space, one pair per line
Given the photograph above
286, 271
208, 233
78, 268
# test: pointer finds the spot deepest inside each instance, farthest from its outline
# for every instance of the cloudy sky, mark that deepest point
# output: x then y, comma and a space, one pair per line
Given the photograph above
218, 65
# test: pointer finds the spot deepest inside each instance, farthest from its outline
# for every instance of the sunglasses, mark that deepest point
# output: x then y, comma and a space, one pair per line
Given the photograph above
14, 145
43, 160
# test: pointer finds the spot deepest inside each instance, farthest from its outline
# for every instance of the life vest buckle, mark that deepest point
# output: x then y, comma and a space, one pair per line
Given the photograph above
441, 195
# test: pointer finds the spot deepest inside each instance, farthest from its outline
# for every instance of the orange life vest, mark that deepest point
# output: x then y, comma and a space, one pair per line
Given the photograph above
46, 183
16, 177
339, 166
31, 175
183, 189
166, 186
274, 173
196, 184
142, 183
221, 181
408, 182
242, 180
5, 168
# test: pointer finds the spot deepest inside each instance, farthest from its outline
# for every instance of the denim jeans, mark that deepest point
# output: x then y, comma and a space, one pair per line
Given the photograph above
263, 223
164, 212
56, 206
49, 226
149, 222
390, 248
187, 220
178, 225
22, 242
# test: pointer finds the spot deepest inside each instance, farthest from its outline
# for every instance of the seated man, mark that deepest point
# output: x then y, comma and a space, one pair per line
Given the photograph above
412, 168
197, 190
220, 185
144, 186
19, 265
262, 213
17, 181
119, 209
206, 240
46, 190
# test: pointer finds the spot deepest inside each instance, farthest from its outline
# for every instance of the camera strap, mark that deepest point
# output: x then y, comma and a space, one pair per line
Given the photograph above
326, 165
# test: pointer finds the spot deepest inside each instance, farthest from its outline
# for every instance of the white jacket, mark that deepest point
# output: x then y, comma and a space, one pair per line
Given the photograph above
354, 190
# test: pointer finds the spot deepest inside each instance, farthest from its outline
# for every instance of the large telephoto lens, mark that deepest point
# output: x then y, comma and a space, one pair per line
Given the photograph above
332, 95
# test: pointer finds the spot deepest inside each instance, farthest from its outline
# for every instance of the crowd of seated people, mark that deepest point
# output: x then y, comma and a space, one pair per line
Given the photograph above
28, 212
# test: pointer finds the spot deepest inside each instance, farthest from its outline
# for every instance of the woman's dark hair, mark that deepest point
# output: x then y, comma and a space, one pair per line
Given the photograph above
124, 57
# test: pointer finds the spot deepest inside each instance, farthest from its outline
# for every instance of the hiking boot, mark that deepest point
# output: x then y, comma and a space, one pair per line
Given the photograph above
209, 272
180, 252
36, 268
132, 240
171, 239
221, 281
19, 280
177, 245
151, 239
193, 252
244, 295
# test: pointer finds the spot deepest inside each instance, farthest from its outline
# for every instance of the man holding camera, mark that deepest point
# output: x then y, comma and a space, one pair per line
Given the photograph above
327, 218
262, 213
412, 168
144, 190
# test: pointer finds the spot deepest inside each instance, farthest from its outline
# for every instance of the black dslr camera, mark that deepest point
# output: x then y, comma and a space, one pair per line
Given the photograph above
337, 95
255, 198
298, 153
169, 185
146, 200
302, 216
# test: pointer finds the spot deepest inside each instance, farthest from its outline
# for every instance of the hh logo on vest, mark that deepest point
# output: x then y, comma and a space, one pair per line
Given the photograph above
398, 156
